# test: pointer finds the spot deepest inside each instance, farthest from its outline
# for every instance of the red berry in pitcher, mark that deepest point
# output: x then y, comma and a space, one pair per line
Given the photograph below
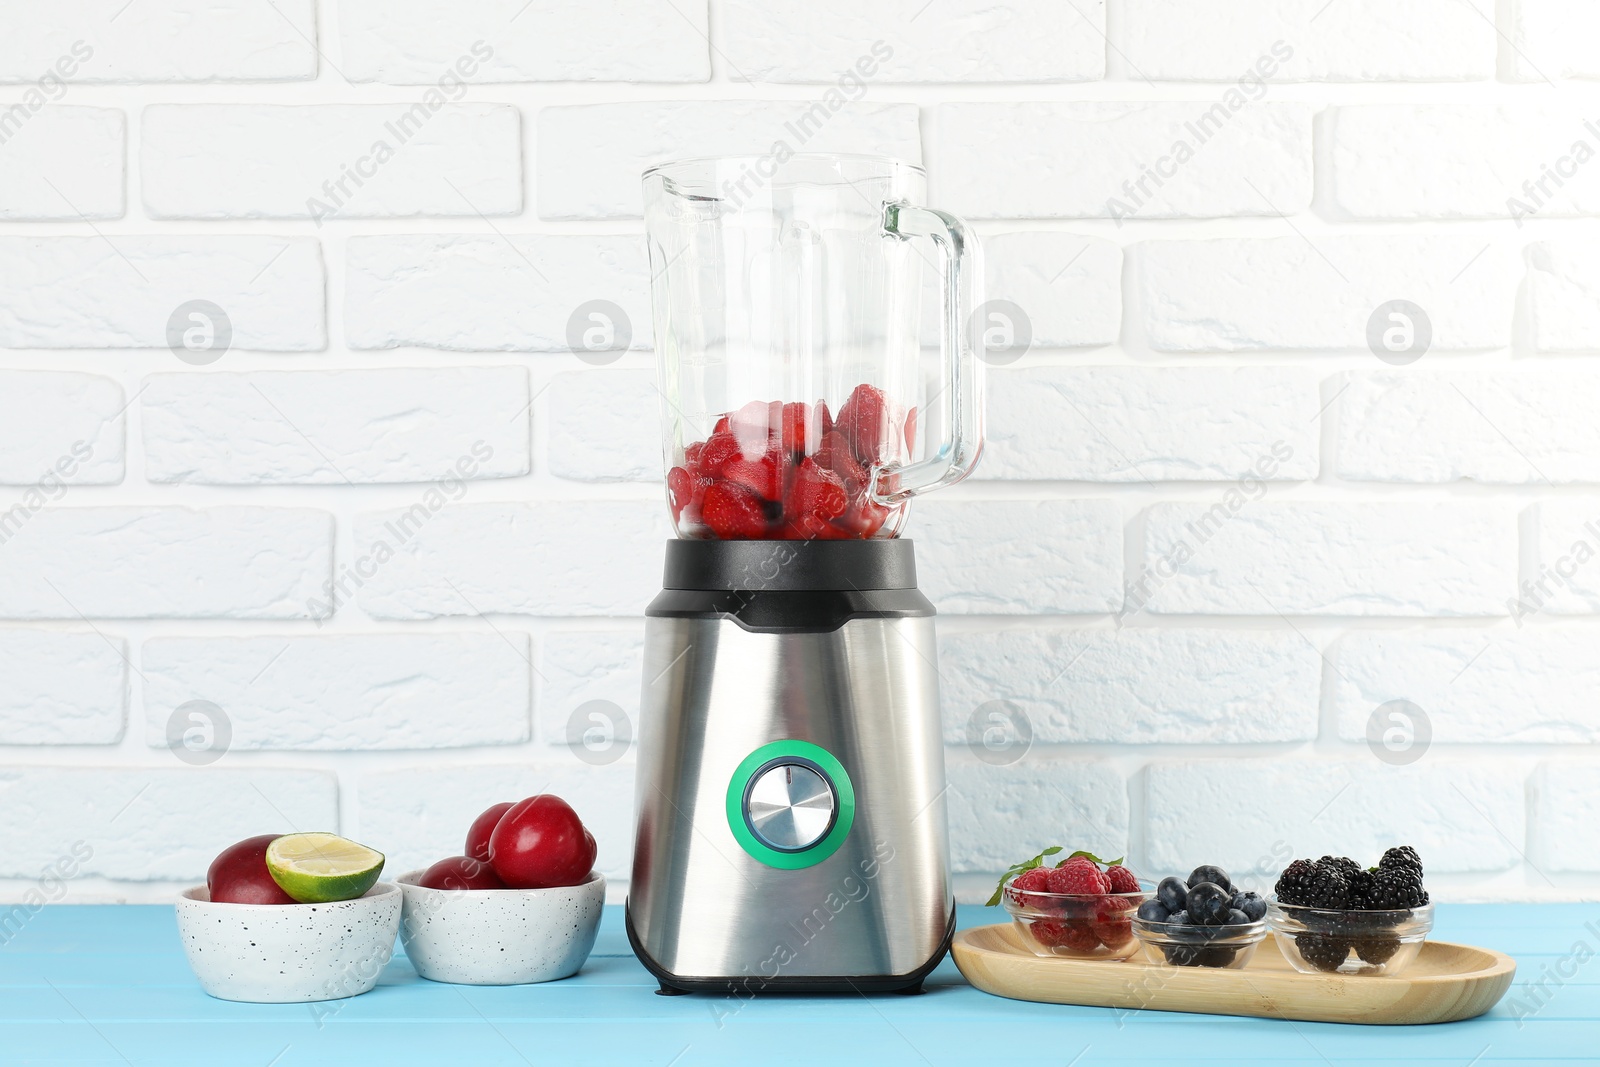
803, 426
817, 493
863, 421
733, 512
835, 454
755, 425
763, 477
721, 449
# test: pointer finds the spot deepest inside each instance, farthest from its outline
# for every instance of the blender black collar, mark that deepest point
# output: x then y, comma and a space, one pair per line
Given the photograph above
791, 566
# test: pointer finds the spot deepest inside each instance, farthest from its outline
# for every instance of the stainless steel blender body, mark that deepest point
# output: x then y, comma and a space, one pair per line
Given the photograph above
790, 793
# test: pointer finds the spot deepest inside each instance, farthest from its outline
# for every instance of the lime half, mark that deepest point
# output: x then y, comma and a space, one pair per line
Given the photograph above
321, 868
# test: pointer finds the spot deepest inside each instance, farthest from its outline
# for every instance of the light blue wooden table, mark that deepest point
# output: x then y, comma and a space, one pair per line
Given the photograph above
109, 985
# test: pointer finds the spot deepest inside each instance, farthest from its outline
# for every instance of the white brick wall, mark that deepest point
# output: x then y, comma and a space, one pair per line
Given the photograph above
405, 691
64, 163
391, 525
419, 41
1086, 160
160, 41
1364, 40
1296, 293
398, 425
513, 293
968, 41
593, 155
1411, 161
330, 161
89, 292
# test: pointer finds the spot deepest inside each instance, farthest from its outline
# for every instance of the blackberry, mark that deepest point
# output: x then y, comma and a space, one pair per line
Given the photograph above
1402, 858
1343, 864
1396, 888
1376, 950
1323, 951
1295, 882
1313, 885
1361, 884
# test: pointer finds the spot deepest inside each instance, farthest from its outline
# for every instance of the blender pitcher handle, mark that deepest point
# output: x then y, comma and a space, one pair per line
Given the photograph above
961, 342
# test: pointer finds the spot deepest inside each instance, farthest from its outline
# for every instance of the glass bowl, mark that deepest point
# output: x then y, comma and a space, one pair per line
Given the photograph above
1183, 945
1085, 926
1326, 941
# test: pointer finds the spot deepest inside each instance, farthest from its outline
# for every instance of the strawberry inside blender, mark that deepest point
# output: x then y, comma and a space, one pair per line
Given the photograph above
792, 471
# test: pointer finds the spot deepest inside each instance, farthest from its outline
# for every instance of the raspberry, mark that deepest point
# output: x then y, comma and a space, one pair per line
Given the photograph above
1049, 932
1029, 882
1078, 937
1079, 878
1323, 951
733, 512
1113, 933
1122, 880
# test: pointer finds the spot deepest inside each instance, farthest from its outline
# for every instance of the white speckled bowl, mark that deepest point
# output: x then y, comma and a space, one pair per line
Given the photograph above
289, 953
500, 936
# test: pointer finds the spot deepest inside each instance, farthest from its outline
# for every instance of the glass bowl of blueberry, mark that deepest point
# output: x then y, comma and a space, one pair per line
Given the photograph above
1333, 916
1201, 921
1082, 908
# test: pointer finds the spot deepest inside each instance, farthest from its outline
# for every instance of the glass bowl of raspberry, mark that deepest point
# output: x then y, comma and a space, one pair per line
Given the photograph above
1075, 911
1349, 940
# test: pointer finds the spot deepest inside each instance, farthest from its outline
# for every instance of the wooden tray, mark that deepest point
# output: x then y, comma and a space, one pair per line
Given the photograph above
1446, 982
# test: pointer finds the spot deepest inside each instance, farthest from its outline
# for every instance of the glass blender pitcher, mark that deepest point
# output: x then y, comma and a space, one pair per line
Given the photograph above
788, 297
789, 734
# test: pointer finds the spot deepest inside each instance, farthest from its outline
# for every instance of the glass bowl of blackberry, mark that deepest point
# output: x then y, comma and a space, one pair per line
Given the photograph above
1203, 920
1075, 910
1333, 916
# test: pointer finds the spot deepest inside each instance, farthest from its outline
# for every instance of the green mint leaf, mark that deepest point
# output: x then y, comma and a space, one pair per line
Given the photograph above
1016, 869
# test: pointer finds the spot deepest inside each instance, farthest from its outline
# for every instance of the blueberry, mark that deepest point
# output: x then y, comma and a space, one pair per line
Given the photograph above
1237, 917
1214, 875
1208, 904
1254, 908
1215, 956
1153, 911
1179, 918
1172, 892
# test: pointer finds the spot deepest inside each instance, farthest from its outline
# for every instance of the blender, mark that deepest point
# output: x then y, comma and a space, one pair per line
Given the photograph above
790, 813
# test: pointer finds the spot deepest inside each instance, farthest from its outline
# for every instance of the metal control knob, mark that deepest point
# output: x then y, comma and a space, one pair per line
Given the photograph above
790, 806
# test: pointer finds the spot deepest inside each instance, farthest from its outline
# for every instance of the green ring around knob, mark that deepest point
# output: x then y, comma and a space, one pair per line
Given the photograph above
843, 818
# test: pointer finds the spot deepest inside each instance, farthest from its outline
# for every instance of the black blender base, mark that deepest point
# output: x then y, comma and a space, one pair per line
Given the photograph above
677, 985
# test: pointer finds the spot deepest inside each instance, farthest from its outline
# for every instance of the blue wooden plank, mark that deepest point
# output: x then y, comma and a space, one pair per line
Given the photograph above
97, 985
